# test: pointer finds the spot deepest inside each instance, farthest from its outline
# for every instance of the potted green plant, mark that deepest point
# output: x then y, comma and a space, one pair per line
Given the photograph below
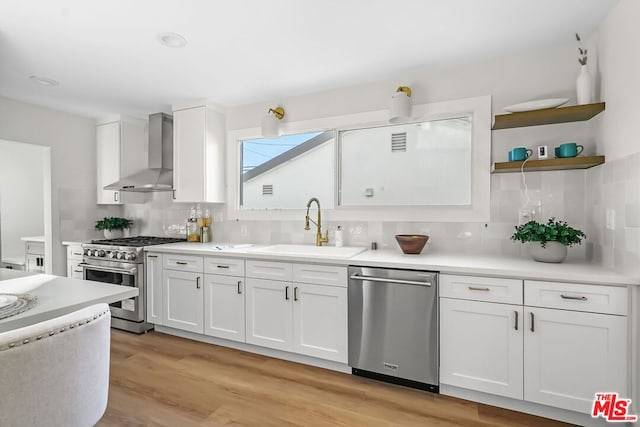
548, 241
113, 227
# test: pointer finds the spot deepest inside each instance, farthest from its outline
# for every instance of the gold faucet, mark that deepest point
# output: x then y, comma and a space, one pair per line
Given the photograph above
320, 239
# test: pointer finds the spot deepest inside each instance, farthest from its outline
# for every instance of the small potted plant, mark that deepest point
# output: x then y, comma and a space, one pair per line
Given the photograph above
548, 241
113, 227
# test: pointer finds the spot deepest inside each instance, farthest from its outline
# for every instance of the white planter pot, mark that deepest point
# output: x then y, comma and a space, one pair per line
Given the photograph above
113, 234
584, 86
552, 252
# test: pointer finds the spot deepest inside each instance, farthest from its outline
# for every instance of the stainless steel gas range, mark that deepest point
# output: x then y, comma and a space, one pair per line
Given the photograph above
121, 262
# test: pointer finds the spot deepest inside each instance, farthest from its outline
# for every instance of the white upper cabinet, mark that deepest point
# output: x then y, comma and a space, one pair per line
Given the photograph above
120, 151
198, 155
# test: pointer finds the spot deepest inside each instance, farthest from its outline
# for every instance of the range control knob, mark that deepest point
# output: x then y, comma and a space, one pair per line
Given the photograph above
87, 252
112, 254
130, 256
120, 255
100, 253
94, 252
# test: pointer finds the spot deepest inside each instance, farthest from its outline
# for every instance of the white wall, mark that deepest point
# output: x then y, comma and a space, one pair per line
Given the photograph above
72, 140
21, 195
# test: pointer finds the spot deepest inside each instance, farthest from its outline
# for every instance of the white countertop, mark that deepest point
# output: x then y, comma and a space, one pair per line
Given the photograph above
56, 295
33, 239
494, 266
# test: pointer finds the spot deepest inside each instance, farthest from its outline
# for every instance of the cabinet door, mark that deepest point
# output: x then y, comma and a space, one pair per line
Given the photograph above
269, 313
153, 289
320, 321
569, 356
108, 162
34, 263
183, 300
189, 155
481, 346
74, 269
224, 307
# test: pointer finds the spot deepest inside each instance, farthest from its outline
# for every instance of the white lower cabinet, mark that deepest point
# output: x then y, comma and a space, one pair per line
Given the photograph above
224, 314
319, 321
570, 355
481, 346
183, 300
538, 351
269, 314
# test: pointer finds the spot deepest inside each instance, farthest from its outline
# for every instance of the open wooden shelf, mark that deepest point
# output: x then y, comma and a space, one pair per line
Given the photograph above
549, 164
548, 116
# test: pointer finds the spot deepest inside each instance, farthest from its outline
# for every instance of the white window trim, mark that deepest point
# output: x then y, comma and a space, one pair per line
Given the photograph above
479, 211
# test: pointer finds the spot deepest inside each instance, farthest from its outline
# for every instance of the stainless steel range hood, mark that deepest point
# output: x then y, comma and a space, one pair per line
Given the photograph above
159, 175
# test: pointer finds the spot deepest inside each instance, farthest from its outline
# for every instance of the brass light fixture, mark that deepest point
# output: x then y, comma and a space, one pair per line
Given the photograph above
400, 107
270, 127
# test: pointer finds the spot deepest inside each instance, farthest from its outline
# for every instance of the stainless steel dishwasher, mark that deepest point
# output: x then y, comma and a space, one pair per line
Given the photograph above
393, 326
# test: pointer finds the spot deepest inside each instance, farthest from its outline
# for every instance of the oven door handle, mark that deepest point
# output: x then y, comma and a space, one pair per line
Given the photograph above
85, 266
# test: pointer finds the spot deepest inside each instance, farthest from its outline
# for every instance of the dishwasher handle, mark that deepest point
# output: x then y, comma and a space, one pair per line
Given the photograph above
385, 280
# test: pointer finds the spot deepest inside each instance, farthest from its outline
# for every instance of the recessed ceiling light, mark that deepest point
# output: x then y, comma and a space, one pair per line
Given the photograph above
172, 40
44, 81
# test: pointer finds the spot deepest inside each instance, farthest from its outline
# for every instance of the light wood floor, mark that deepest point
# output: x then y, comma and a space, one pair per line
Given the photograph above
162, 380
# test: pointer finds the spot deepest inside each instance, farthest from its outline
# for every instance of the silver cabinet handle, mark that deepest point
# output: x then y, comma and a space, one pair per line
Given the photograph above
174, 194
181, 263
532, 321
76, 253
380, 279
473, 288
516, 325
286, 293
239, 286
295, 293
579, 298
152, 256
222, 266
198, 282
115, 196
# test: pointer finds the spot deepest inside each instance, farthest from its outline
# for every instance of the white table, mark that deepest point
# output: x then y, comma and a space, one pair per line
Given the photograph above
56, 295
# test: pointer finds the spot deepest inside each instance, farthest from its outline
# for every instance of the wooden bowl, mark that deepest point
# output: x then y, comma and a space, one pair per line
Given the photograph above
412, 244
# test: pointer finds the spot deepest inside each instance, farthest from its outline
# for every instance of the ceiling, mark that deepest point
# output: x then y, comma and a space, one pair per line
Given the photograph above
107, 59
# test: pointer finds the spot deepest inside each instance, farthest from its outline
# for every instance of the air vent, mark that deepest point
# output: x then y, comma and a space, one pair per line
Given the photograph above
398, 142
267, 190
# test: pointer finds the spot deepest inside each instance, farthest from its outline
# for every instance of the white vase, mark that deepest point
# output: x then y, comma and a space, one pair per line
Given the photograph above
552, 252
584, 86
113, 234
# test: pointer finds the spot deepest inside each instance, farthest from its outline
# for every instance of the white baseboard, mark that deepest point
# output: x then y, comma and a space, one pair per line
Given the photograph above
278, 354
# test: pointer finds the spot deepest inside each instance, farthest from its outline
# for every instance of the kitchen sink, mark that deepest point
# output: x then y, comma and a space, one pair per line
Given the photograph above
343, 252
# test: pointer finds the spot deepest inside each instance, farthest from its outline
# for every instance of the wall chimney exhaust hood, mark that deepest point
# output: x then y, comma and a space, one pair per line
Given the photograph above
159, 175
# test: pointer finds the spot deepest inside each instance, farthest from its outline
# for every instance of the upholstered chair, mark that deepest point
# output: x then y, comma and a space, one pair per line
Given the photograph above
56, 373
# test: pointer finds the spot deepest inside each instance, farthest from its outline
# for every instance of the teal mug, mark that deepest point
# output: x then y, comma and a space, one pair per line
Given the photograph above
519, 154
570, 149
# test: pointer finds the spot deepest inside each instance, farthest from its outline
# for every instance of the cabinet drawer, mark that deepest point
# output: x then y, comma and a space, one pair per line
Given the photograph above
320, 274
74, 252
183, 263
36, 248
270, 270
224, 266
576, 296
507, 291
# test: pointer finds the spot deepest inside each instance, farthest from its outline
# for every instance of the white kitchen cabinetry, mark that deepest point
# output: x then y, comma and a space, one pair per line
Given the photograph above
120, 151
154, 299
567, 342
481, 334
481, 346
34, 256
307, 318
183, 300
571, 355
224, 302
198, 155
269, 313
74, 259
